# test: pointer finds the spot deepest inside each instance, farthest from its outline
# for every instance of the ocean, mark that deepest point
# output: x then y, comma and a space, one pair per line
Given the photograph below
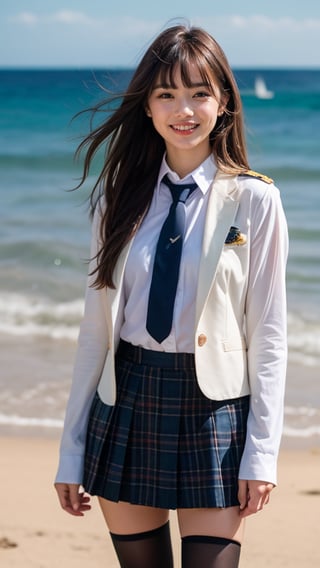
45, 232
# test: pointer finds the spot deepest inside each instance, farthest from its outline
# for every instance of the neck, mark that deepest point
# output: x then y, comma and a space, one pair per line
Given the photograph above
184, 163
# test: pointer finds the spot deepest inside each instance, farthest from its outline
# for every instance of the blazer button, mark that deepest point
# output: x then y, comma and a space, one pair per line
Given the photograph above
202, 339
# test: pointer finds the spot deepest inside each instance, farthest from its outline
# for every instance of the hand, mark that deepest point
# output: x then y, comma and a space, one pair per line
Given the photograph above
253, 495
71, 499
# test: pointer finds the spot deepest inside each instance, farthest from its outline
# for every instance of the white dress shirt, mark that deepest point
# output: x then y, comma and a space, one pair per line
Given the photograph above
138, 271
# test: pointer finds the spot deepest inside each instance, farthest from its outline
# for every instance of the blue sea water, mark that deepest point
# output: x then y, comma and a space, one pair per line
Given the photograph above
44, 228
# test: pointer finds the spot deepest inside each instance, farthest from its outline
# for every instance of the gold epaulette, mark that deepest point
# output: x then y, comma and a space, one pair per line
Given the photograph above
256, 175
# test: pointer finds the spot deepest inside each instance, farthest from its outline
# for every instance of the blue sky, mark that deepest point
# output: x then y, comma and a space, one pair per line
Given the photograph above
110, 33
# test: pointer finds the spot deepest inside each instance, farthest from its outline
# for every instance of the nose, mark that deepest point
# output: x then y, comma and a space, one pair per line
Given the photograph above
183, 107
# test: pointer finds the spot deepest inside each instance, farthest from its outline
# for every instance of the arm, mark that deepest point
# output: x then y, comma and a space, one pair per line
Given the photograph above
90, 357
267, 350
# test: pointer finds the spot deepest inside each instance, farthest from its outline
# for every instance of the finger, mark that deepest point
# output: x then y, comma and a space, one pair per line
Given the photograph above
74, 497
63, 494
259, 494
79, 502
266, 498
84, 502
242, 493
71, 500
253, 506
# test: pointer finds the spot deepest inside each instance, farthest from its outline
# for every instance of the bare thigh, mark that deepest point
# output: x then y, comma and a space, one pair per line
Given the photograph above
124, 518
224, 523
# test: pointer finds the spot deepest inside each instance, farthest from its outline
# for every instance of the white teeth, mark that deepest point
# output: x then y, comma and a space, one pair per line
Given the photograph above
184, 127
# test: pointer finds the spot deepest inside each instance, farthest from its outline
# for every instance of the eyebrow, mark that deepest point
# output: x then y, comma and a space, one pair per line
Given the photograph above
192, 86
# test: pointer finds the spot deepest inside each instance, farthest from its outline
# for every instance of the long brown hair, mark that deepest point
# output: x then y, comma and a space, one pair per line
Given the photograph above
134, 149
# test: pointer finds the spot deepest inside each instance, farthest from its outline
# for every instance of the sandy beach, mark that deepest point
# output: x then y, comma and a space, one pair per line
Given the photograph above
34, 532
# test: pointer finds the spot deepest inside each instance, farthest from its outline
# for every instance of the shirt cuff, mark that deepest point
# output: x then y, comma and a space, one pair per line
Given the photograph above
259, 467
70, 469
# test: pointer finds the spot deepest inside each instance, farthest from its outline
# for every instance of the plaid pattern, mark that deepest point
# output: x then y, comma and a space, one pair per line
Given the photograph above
164, 444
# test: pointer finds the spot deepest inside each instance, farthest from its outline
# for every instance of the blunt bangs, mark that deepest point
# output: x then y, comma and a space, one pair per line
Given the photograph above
189, 51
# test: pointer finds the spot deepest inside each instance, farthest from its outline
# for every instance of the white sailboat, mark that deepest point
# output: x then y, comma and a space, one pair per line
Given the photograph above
260, 89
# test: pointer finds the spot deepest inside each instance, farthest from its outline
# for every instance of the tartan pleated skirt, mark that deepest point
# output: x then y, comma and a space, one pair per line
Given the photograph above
164, 444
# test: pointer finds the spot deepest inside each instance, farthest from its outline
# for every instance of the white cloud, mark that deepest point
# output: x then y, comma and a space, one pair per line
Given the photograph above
238, 21
124, 26
260, 22
25, 18
312, 24
62, 16
284, 23
69, 17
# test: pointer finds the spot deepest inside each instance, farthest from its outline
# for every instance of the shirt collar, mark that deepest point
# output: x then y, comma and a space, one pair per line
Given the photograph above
202, 175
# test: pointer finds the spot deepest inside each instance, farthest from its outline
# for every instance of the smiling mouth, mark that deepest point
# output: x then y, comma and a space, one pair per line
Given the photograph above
184, 127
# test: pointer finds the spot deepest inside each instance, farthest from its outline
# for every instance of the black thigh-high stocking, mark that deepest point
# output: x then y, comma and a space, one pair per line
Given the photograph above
210, 552
151, 549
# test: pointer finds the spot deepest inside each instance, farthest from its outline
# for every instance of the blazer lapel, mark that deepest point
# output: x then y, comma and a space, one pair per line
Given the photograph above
222, 209
114, 294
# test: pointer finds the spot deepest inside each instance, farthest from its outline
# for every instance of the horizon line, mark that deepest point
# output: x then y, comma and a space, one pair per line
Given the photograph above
128, 68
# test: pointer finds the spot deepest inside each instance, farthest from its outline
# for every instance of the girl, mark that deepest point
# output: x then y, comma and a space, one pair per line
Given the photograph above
177, 396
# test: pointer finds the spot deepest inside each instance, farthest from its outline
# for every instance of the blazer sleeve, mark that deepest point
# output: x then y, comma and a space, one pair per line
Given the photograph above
89, 361
266, 329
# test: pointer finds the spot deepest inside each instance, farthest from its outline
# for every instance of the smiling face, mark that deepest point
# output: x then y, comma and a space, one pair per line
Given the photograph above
184, 116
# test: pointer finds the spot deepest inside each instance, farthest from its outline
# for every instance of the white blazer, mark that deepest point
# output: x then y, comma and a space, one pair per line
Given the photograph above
240, 328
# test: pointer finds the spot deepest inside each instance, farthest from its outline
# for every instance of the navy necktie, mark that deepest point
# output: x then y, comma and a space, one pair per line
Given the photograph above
167, 263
